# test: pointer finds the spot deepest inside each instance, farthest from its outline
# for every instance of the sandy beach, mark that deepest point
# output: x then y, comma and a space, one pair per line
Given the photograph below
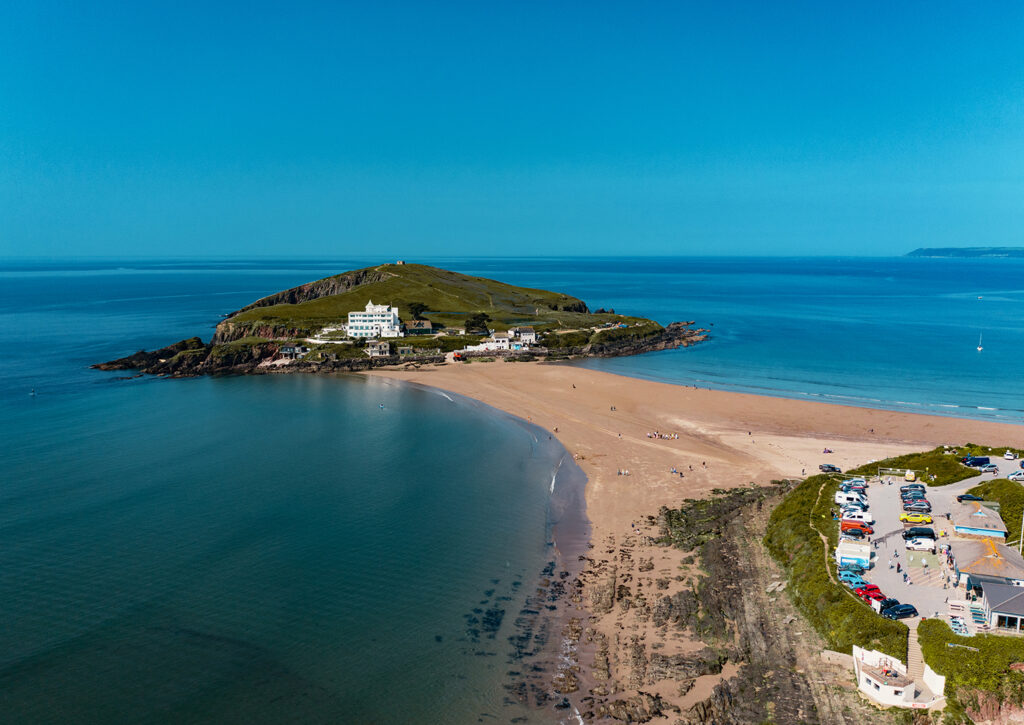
715, 439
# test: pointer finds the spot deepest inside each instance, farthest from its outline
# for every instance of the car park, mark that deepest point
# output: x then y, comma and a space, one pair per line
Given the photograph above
989, 468
968, 497
829, 468
900, 611
919, 532
920, 544
915, 518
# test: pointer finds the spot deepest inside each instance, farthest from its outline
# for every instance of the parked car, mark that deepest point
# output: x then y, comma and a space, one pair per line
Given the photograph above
867, 588
911, 496
912, 487
849, 576
847, 525
921, 545
861, 481
828, 468
854, 583
919, 532
1016, 476
872, 597
975, 460
863, 516
856, 534
1010, 456
883, 604
968, 497
989, 468
920, 506
852, 497
900, 611
915, 518
850, 566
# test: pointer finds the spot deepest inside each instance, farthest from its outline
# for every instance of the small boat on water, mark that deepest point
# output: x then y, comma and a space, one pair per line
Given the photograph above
980, 348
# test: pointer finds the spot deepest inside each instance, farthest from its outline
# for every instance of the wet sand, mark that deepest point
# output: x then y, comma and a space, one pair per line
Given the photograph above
716, 439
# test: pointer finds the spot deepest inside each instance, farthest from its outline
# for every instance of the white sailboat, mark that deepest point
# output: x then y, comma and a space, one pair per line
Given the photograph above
980, 348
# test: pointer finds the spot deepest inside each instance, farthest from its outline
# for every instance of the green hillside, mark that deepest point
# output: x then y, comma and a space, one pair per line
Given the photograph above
449, 297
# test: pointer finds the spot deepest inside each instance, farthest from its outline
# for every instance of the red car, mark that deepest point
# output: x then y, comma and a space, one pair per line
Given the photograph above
872, 596
861, 591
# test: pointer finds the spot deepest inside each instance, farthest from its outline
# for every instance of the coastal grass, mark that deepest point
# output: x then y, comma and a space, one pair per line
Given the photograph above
801, 536
1010, 497
973, 449
449, 298
936, 466
987, 669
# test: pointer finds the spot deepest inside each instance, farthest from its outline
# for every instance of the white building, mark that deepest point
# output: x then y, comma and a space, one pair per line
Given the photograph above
375, 321
526, 335
886, 681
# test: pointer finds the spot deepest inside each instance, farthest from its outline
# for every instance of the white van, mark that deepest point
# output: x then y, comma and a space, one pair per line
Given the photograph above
851, 497
862, 516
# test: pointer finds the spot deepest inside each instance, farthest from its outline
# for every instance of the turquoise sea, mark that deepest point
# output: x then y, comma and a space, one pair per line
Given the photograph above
284, 549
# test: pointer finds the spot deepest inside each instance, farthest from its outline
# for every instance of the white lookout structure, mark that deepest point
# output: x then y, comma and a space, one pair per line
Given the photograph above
376, 321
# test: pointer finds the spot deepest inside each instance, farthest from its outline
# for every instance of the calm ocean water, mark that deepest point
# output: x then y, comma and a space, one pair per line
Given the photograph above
282, 549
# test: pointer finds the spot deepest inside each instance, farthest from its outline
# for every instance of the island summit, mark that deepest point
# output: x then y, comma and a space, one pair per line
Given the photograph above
402, 314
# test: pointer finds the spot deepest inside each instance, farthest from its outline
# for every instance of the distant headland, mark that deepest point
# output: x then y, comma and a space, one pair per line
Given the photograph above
422, 315
968, 252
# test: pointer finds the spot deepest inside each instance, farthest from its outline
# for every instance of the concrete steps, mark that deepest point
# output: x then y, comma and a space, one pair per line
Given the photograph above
915, 660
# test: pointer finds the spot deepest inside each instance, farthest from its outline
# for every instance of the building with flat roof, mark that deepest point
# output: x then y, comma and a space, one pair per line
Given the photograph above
972, 518
375, 321
378, 349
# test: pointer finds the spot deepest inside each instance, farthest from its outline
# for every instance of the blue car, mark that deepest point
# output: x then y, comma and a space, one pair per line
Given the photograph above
854, 583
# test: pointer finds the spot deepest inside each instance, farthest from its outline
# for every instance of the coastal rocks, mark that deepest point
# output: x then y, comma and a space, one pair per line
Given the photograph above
640, 708
684, 667
169, 356
988, 708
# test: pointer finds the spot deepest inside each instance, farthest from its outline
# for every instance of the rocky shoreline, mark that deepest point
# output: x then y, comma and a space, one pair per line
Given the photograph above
193, 357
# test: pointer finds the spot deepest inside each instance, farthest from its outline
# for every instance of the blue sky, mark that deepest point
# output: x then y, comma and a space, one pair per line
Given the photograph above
523, 128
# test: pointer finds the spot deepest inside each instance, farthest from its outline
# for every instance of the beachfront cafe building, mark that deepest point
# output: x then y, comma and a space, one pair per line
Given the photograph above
976, 519
1004, 607
976, 563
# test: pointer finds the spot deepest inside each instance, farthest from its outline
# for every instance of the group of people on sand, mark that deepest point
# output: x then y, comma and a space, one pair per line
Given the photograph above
623, 472
664, 436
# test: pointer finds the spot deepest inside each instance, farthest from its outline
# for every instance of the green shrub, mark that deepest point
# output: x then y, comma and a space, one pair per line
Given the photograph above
987, 669
945, 467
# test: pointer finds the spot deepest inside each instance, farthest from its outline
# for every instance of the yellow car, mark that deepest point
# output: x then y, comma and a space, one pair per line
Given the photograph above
916, 518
